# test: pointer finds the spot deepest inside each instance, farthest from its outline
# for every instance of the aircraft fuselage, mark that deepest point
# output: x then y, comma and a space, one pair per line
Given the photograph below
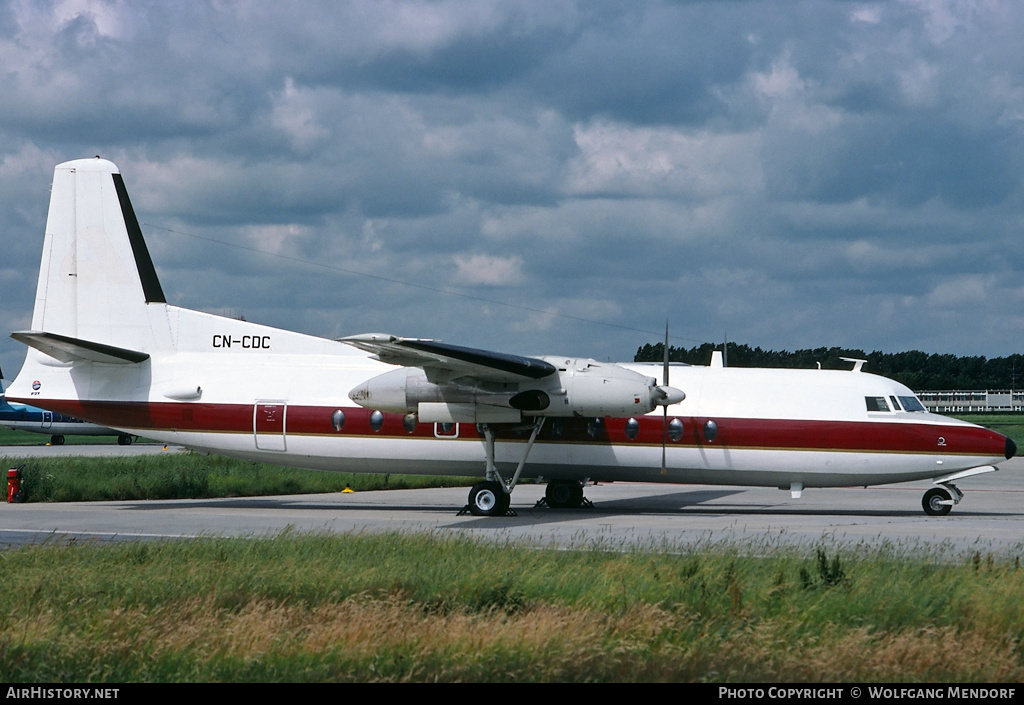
771, 427
106, 346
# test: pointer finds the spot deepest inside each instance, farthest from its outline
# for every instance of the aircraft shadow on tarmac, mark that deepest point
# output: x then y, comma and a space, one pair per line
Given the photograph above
661, 503
679, 503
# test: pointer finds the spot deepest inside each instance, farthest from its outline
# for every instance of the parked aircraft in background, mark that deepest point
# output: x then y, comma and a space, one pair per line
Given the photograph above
21, 417
106, 346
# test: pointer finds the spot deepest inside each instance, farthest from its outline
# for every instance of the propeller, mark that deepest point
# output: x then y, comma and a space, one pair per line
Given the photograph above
664, 408
664, 396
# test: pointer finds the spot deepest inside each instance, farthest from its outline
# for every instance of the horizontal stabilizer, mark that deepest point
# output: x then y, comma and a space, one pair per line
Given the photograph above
68, 349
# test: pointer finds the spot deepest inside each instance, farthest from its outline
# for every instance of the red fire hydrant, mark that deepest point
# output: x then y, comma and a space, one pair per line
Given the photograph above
14, 492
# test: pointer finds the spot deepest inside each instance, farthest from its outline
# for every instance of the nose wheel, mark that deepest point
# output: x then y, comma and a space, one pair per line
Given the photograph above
938, 501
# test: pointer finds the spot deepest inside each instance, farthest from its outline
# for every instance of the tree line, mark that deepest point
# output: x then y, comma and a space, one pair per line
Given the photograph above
918, 370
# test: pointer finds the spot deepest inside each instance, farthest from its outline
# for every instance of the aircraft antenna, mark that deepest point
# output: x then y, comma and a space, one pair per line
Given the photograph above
858, 364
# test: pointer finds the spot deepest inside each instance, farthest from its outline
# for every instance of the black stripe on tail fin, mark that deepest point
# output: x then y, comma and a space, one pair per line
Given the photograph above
143, 262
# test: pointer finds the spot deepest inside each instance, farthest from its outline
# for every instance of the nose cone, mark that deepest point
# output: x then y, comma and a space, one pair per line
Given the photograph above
666, 396
1011, 448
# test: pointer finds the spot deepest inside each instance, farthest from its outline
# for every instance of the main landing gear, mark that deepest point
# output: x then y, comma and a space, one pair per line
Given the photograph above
564, 494
938, 501
491, 498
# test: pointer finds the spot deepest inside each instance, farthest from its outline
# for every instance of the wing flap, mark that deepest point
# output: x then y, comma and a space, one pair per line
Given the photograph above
442, 412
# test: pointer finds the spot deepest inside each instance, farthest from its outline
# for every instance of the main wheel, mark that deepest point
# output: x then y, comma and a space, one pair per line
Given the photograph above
561, 494
488, 499
56, 440
932, 502
124, 440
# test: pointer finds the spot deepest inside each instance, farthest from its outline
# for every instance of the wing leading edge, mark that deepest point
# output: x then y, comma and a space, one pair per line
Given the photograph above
443, 362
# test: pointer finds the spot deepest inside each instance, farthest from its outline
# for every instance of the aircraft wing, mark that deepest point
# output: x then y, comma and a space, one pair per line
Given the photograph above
442, 361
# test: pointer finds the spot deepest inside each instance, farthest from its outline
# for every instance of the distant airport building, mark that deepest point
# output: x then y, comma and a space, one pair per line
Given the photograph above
966, 401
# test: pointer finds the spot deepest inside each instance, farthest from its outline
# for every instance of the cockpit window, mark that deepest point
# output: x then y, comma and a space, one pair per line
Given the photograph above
876, 403
912, 404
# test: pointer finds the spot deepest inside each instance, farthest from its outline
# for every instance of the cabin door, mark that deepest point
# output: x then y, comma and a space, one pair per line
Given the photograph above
268, 425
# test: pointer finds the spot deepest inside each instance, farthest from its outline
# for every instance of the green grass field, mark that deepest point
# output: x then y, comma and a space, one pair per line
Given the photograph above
440, 608
192, 476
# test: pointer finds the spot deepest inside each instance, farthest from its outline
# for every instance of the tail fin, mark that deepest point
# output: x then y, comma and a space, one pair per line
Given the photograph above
99, 299
97, 282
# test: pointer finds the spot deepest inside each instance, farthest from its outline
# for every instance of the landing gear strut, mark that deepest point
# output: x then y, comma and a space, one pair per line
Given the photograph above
491, 498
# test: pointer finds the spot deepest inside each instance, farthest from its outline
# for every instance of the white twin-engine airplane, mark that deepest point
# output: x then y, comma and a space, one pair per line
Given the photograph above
107, 347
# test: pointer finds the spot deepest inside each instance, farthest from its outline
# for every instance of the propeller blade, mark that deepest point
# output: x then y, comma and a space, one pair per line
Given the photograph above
664, 439
664, 409
664, 367
663, 395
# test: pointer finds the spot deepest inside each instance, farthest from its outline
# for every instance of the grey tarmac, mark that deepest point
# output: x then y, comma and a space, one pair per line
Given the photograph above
623, 515
87, 450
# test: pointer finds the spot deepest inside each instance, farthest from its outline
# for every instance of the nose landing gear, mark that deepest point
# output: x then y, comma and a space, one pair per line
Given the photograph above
938, 501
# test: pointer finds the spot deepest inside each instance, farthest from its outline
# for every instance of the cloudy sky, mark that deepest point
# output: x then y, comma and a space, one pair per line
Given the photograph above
542, 177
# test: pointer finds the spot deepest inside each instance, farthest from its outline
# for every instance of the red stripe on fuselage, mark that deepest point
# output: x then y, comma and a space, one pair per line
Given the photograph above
883, 436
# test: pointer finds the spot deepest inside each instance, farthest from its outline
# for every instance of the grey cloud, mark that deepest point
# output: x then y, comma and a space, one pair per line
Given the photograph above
801, 174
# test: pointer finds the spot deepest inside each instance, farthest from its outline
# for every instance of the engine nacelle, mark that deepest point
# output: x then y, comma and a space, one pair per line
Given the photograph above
404, 389
579, 387
586, 387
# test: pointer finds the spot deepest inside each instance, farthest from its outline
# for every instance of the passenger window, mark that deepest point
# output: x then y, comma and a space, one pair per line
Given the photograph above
876, 403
